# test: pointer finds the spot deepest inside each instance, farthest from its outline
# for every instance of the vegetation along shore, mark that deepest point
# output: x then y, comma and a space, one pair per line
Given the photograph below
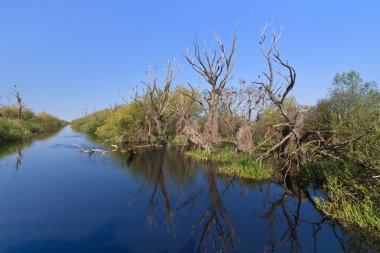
254, 128
19, 123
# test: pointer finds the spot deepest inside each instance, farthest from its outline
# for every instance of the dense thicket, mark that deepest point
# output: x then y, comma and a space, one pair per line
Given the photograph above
350, 115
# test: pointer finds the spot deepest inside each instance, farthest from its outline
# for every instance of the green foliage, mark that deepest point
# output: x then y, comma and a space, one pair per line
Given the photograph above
13, 129
199, 154
351, 109
123, 124
220, 156
91, 122
226, 155
9, 112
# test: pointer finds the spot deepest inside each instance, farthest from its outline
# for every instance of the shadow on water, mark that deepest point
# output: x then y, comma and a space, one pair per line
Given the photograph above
159, 201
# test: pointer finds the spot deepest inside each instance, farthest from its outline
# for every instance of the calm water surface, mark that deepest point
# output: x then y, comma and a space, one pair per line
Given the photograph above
55, 199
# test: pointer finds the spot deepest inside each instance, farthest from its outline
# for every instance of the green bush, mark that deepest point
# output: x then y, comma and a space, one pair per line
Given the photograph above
11, 130
91, 123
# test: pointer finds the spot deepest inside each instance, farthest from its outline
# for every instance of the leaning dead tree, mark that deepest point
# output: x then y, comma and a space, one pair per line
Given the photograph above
158, 101
291, 142
19, 103
215, 66
288, 133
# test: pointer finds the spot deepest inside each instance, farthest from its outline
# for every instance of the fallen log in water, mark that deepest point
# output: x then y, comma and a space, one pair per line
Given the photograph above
90, 151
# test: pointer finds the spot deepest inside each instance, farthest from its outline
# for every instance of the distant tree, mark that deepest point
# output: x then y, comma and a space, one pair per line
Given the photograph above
19, 102
158, 101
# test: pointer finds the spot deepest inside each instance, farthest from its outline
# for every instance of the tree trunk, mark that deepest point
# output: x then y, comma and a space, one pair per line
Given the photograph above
211, 128
160, 135
20, 113
294, 130
244, 138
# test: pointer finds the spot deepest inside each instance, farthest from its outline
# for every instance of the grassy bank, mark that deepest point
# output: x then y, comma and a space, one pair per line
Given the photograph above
231, 163
352, 195
14, 130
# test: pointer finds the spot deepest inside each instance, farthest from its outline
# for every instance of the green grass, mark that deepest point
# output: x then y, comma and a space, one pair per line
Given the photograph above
232, 163
351, 213
219, 156
351, 200
199, 154
246, 169
178, 142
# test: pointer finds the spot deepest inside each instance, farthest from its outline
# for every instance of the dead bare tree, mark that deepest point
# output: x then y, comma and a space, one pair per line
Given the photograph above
239, 109
215, 66
19, 103
182, 107
289, 132
290, 139
1, 115
158, 100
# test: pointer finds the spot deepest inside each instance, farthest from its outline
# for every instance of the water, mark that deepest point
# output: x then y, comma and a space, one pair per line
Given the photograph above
55, 199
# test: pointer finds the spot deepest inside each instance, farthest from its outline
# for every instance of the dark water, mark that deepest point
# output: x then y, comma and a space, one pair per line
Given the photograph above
55, 199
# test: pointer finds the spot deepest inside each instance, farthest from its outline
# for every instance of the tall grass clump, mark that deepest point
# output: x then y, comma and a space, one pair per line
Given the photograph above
232, 163
247, 169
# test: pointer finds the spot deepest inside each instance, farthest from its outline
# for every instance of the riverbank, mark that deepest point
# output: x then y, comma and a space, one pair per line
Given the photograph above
351, 197
34, 125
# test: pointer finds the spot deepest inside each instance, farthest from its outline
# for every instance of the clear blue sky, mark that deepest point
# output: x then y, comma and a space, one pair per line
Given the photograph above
67, 56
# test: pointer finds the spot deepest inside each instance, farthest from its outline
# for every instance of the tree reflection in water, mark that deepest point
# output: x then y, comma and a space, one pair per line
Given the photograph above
202, 203
159, 188
17, 151
288, 208
158, 168
213, 228
18, 159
